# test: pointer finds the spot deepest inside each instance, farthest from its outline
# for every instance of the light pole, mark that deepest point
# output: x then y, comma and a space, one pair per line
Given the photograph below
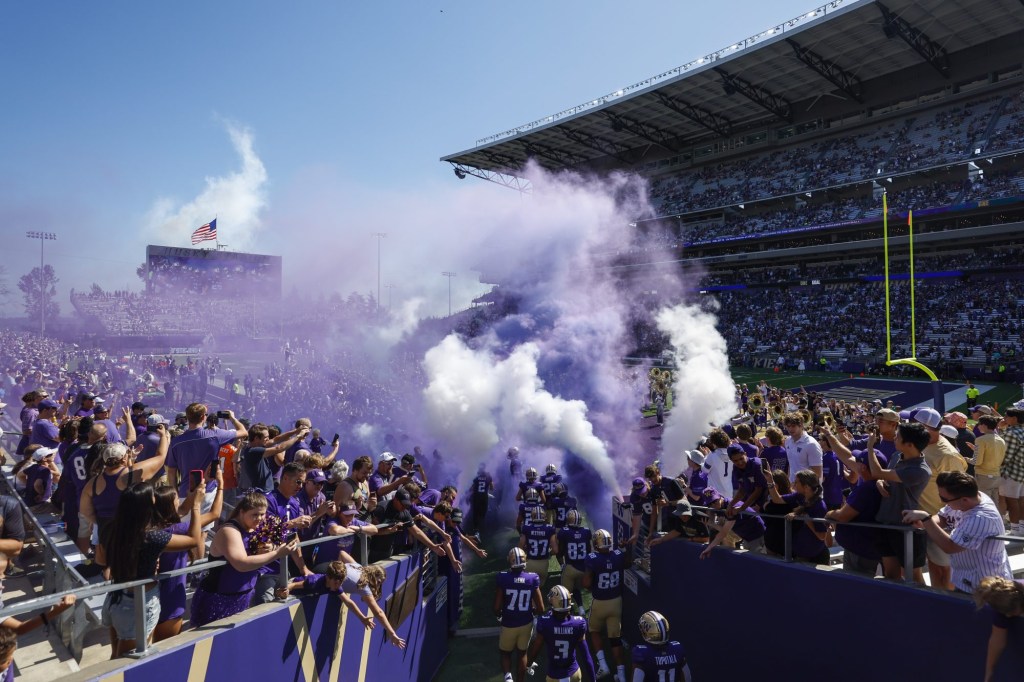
389, 287
379, 236
449, 275
42, 237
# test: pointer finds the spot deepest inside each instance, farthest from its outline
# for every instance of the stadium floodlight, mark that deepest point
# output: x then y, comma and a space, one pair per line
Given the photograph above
43, 237
459, 173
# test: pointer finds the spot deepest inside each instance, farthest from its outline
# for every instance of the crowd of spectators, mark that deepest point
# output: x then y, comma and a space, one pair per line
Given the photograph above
919, 141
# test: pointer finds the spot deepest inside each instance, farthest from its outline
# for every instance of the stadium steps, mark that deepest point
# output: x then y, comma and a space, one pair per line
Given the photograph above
993, 124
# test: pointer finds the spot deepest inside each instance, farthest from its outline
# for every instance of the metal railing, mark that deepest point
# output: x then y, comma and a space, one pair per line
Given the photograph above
907, 530
139, 587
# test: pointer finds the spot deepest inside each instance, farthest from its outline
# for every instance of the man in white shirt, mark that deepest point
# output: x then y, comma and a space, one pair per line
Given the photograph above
803, 451
718, 465
974, 519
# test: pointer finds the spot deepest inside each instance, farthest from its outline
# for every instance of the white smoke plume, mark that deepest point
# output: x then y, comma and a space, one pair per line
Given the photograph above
237, 200
477, 399
703, 391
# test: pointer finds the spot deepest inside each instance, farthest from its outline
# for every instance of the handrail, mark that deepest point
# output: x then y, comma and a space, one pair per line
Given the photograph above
196, 567
907, 530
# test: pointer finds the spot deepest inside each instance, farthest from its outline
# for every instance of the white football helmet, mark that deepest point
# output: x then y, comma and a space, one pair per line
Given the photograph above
539, 515
573, 517
531, 474
513, 452
532, 495
551, 469
560, 599
654, 628
516, 558
602, 540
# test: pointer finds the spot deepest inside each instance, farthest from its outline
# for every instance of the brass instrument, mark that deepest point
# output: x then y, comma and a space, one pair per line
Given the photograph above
829, 421
808, 419
756, 402
654, 374
775, 410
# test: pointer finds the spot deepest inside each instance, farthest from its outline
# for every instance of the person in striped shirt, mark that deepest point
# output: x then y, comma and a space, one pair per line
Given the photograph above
1012, 486
964, 529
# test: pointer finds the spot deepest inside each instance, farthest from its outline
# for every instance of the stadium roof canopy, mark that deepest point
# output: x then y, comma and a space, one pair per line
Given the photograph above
841, 49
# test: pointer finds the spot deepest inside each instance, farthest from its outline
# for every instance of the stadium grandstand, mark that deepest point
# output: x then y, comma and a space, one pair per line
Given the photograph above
767, 162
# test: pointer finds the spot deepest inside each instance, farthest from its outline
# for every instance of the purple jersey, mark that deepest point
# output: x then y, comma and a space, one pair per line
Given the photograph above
538, 540
517, 589
481, 484
45, 433
606, 569
660, 662
561, 507
526, 510
430, 497
197, 449
776, 457
575, 544
640, 502
562, 637
832, 481
745, 480
523, 487
549, 481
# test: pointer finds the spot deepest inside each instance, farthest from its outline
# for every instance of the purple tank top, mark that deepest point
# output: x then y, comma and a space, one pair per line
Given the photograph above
105, 503
227, 580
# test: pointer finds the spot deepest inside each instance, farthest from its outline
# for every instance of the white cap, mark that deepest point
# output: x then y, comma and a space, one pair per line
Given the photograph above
43, 453
387, 457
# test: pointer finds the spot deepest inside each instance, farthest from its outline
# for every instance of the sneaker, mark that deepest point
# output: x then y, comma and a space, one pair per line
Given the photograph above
508, 677
602, 671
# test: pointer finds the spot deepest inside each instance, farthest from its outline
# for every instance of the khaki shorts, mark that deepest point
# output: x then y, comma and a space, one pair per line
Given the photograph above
606, 613
519, 638
936, 554
989, 485
1011, 489
540, 567
84, 526
572, 579
575, 677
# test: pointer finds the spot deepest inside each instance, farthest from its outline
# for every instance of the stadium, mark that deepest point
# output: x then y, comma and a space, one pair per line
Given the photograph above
840, 195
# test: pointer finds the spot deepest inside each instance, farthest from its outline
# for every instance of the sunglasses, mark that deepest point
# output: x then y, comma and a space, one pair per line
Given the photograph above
950, 500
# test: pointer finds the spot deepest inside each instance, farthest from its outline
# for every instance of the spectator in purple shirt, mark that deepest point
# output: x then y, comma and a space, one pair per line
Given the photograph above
810, 538
40, 476
197, 448
44, 430
860, 545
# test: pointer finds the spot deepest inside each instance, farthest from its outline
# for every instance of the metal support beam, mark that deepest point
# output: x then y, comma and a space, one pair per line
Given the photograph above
559, 158
917, 39
503, 160
596, 143
522, 185
774, 104
702, 117
641, 129
829, 70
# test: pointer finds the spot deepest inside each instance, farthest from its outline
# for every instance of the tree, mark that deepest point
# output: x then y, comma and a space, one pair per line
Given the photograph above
30, 289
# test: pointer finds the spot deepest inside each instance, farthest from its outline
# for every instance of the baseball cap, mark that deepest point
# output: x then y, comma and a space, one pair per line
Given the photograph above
114, 451
735, 449
349, 510
139, 405
316, 475
456, 516
639, 483
386, 457
956, 419
43, 453
984, 409
155, 419
402, 495
683, 508
927, 416
181, 415
47, 405
89, 396
862, 457
696, 456
948, 430
885, 414
407, 458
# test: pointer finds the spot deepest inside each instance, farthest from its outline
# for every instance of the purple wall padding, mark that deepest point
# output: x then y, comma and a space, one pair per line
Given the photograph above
266, 648
741, 616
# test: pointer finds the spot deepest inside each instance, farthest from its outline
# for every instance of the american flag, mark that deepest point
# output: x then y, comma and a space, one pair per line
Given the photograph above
205, 233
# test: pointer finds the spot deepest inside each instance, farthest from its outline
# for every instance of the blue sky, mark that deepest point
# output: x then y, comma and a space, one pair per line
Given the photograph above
117, 118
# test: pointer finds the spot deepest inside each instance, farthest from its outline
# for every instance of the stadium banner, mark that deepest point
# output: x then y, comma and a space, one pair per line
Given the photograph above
825, 602
315, 635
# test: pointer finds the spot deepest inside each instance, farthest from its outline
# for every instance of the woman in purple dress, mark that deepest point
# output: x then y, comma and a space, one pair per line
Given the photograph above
173, 596
227, 590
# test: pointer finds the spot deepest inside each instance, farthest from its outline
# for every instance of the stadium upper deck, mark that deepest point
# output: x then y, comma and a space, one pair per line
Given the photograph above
838, 66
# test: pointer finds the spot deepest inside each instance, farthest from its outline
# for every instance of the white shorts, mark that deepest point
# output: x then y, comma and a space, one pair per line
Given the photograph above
1011, 488
936, 554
